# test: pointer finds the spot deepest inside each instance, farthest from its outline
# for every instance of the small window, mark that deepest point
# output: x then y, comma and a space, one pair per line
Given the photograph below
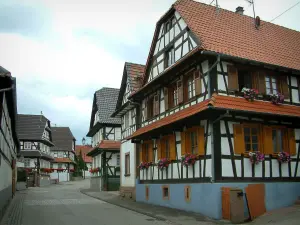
191, 87
27, 145
27, 163
271, 85
169, 57
118, 160
165, 192
147, 192
127, 164
55, 154
251, 135
278, 137
187, 193
126, 120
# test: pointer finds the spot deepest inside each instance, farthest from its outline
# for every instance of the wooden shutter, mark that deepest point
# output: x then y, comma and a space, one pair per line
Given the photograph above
262, 83
239, 142
255, 80
166, 98
284, 89
150, 151
291, 141
158, 143
156, 105
146, 109
197, 82
200, 132
172, 142
180, 91
233, 81
143, 153
267, 140
183, 147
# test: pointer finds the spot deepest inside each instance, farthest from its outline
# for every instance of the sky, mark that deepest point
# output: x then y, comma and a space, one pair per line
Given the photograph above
62, 51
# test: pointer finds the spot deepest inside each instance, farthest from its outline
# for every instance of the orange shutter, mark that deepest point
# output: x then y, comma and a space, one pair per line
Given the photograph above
183, 147
291, 141
267, 140
158, 141
284, 87
197, 82
200, 132
262, 83
233, 82
141, 154
239, 142
172, 141
166, 98
255, 80
180, 91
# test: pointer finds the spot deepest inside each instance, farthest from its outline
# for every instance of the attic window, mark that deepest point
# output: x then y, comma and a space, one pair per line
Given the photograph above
169, 57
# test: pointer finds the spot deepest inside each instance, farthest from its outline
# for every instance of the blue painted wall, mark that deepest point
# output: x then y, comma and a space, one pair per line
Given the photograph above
206, 197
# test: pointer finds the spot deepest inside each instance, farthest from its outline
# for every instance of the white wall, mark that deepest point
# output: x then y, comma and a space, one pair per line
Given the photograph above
61, 176
5, 174
128, 181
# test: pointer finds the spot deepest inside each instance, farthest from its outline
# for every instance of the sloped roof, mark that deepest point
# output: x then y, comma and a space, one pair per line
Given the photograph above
235, 35
226, 103
84, 149
105, 145
106, 99
4, 72
31, 127
62, 138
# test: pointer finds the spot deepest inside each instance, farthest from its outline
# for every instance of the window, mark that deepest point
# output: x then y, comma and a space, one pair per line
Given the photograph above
55, 154
126, 120
118, 160
187, 193
168, 25
26, 162
244, 79
165, 192
156, 105
192, 141
166, 147
192, 84
191, 87
271, 85
127, 164
169, 57
27, 145
251, 135
277, 140
175, 95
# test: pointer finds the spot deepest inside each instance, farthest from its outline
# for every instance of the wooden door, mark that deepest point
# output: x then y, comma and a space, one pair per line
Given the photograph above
256, 199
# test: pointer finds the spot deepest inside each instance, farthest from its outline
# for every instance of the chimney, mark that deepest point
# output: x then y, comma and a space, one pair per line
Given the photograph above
239, 10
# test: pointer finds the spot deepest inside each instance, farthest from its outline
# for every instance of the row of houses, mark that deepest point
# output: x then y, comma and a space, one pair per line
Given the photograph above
29, 143
215, 107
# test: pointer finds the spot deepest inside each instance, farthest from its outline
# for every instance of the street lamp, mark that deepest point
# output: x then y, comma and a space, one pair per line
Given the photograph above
83, 141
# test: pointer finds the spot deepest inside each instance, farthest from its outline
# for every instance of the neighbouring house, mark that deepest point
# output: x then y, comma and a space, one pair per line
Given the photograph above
35, 136
126, 110
9, 142
84, 150
63, 153
105, 132
198, 130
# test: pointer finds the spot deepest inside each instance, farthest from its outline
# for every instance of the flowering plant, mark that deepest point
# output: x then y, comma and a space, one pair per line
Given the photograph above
95, 170
250, 94
163, 163
277, 98
256, 157
145, 165
188, 159
283, 157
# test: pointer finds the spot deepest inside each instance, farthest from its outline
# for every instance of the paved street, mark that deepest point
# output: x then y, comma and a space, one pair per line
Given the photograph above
64, 205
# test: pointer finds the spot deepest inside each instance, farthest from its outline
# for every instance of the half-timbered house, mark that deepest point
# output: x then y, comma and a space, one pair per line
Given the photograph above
35, 136
9, 143
131, 81
195, 103
63, 153
105, 132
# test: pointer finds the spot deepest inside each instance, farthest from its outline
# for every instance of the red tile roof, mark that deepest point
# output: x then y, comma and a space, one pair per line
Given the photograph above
222, 102
85, 149
63, 160
135, 73
109, 145
232, 34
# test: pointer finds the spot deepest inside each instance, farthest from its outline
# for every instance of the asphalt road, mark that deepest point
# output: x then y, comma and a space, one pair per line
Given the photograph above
65, 205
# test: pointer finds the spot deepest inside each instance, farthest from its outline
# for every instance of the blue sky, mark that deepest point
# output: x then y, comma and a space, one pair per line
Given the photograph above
62, 51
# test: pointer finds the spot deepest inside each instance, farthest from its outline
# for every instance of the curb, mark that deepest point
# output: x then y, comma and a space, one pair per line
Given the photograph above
125, 207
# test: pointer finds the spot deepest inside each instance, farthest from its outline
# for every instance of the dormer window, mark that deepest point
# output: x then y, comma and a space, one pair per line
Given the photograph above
169, 57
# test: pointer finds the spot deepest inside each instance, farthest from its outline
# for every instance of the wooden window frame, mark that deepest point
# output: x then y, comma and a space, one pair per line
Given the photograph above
27, 145
156, 103
188, 138
163, 192
127, 167
148, 155
168, 52
259, 136
187, 193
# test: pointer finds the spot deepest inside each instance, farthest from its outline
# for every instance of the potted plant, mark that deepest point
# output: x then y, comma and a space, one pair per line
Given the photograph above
163, 163
145, 165
283, 157
256, 157
249, 94
277, 99
188, 159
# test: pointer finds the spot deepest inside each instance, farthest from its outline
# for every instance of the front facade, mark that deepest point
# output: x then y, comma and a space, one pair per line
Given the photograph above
63, 153
35, 140
198, 127
9, 143
105, 132
131, 81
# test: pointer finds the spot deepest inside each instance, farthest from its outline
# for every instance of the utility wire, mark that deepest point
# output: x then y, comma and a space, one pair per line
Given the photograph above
211, 2
284, 12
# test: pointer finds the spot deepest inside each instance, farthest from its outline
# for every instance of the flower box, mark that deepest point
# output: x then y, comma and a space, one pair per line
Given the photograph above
256, 157
277, 99
145, 165
250, 94
163, 163
188, 159
283, 157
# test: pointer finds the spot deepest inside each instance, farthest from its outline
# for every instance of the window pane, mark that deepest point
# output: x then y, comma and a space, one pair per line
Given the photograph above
274, 139
247, 139
248, 147
255, 147
267, 85
274, 86
273, 80
280, 141
247, 130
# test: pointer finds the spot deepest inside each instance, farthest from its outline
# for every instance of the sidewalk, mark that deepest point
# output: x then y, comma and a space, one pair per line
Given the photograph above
175, 216
13, 214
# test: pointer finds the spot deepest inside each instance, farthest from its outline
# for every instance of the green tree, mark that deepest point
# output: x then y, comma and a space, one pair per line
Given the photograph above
81, 163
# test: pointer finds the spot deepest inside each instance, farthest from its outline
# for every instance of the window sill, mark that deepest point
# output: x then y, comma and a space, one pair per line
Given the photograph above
127, 175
